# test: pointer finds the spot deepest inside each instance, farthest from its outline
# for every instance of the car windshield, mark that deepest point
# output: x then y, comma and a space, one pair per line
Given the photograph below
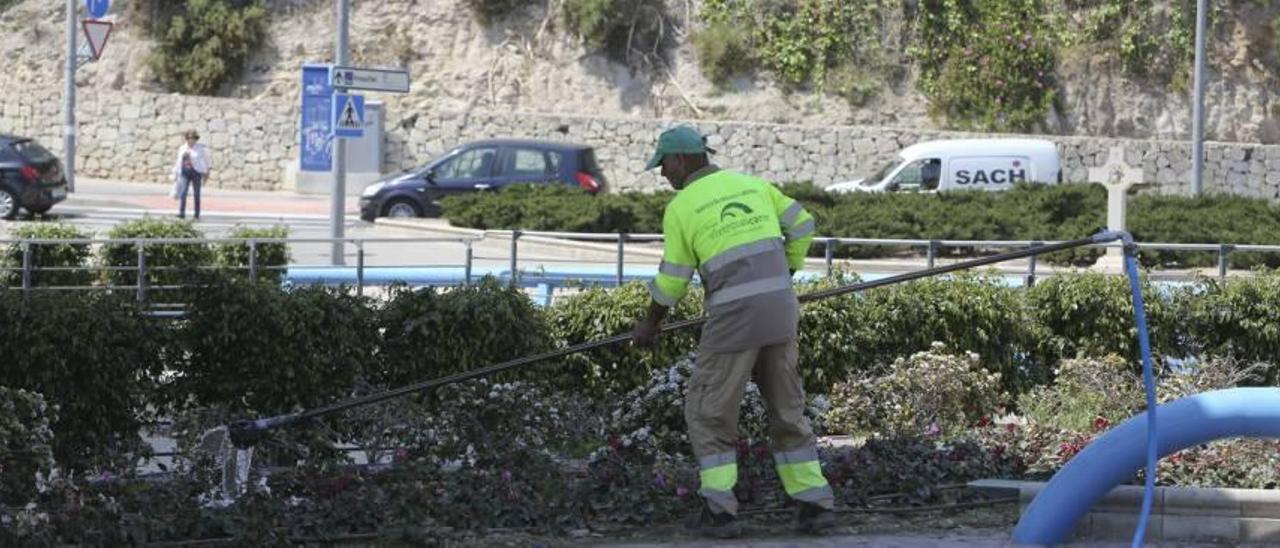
880, 174
32, 151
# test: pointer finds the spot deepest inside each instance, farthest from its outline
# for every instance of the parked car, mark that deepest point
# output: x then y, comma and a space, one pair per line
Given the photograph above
480, 166
31, 177
963, 164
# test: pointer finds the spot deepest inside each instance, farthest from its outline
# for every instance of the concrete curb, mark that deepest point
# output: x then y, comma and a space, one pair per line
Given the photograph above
1182, 514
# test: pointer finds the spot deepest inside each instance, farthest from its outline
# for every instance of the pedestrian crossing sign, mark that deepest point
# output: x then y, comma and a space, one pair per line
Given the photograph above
348, 116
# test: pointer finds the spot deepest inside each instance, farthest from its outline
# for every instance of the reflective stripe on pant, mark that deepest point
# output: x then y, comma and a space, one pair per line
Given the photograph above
711, 412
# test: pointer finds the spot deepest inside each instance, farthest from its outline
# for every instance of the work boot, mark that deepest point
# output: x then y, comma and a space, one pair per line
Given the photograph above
814, 520
710, 523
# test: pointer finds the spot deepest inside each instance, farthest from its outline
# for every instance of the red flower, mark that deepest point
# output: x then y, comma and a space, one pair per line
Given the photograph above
985, 421
1100, 424
1010, 427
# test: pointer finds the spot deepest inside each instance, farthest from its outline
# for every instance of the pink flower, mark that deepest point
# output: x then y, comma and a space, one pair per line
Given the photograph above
933, 430
660, 480
1100, 424
401, 455
682, 491
506, 475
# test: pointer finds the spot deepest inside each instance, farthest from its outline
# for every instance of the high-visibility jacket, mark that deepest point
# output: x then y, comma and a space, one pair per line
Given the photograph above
743, 237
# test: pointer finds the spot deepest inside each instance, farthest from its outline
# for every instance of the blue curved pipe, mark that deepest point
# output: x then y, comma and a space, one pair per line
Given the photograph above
1112, 459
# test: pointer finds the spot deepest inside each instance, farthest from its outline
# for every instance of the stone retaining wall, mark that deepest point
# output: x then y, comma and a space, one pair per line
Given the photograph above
131, 136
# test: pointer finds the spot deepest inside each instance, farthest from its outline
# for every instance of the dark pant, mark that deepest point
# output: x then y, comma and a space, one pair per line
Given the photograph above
193, 179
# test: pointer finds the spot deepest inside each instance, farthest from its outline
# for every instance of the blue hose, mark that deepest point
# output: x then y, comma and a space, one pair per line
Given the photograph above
1148, 379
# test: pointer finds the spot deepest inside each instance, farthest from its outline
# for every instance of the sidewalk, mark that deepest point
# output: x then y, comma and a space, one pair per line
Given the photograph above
101, 193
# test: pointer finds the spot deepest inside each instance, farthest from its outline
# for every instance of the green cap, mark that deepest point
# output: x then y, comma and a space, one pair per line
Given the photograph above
678, 140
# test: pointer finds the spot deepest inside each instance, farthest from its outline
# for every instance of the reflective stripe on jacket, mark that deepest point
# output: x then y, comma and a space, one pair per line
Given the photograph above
743, 236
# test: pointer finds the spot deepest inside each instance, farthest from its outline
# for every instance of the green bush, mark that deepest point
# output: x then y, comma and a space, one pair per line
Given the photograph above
26, 444
724, 51
1237, 318
428, 333
1002, 77
167, 264
558, 208
491, 10
935, 393
261, 351
207, 44
47, 260
271, 258
596, 313
969, 313
1091, 314
1085, 390
621, 28
97, 358
1212, 218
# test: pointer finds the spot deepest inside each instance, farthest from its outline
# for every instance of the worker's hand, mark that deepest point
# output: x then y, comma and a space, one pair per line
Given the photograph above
645, 333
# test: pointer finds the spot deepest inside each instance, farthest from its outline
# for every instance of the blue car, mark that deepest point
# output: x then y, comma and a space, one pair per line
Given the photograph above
479, 166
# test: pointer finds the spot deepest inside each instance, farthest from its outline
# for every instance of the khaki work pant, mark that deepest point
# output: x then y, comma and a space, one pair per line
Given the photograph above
711, 411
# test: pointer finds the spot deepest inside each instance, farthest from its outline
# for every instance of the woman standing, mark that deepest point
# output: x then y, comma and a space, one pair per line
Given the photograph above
192, 169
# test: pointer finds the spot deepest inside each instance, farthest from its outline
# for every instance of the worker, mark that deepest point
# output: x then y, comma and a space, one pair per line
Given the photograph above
746, 240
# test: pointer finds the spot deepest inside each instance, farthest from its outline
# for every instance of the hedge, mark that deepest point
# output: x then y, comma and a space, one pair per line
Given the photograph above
255, 349
1025, 212
47, 259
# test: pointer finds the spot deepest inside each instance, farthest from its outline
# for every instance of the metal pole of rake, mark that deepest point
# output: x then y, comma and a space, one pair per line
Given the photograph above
247, 433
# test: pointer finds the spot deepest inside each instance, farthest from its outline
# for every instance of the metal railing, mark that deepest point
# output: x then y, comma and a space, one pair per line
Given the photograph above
147, 278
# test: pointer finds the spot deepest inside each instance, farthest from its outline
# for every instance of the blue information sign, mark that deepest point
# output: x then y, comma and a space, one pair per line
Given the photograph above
315, 131
97, 8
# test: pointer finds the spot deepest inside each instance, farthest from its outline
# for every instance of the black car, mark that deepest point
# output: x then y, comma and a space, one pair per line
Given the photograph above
31, 177
479, 166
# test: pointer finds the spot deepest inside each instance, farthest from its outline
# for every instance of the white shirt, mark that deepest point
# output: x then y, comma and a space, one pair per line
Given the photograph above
201, 160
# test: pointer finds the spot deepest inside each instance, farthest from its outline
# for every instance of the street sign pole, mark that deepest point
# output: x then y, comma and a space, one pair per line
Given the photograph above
69, 102
337, 211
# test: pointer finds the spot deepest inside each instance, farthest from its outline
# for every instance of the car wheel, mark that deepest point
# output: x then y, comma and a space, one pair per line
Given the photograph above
8, 204
401, 209
40, 210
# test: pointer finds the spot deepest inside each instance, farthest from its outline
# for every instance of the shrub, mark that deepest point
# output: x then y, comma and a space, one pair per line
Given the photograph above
47, 260
624, 29
1214, 218
96, 357
206, 45
970, 313
558, 208
1091, 314
596, 313
167, 264
428, 333
929, 393
271, 258
491, 10
830, 349
1236, 319
26, 444
261, 351
911, 468
1085, 390
724, 51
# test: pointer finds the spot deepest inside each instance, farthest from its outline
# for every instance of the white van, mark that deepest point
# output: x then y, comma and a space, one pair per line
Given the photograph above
963, 164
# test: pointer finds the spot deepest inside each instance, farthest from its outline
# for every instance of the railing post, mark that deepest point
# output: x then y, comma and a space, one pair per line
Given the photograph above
1223, 250
1031, 266
515, 272
622, 238
253, 260
360, 267
830, 254
26, 267
142, 271
933, 251
466, 269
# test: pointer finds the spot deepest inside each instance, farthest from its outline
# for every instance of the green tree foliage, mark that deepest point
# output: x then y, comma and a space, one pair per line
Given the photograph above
204, 46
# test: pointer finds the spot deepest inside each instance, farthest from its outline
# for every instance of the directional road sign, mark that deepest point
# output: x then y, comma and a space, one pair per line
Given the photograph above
97, 8
392, 80
348, 116
96, 33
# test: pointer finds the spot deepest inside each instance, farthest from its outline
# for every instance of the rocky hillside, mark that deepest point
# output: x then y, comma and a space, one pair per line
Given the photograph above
530, 61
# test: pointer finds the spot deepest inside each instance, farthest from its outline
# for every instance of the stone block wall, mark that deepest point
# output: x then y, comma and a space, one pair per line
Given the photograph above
131, 136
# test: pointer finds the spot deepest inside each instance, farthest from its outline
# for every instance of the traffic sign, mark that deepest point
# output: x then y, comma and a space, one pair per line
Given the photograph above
370, 79
96, 33
348, 116
97, 8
